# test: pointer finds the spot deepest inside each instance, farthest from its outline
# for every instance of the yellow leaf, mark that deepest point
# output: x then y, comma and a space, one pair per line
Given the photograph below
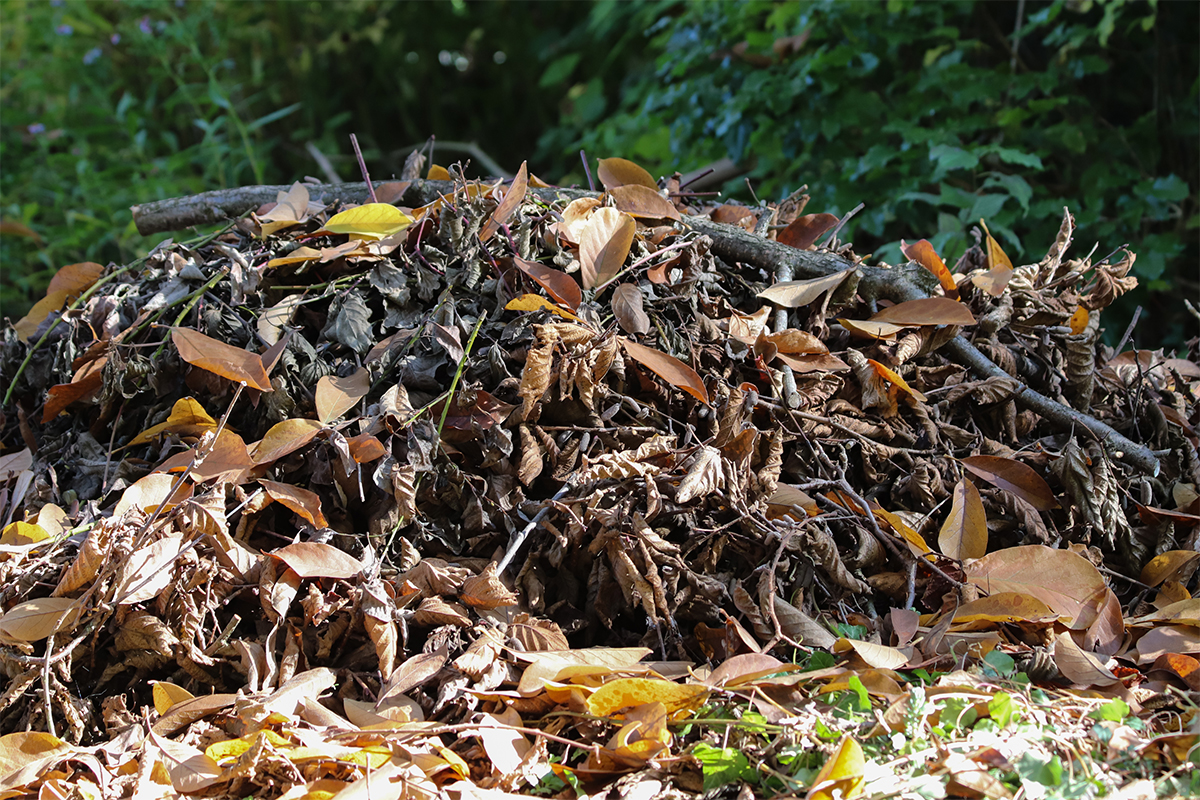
168, 694
437, 173
1078, 321
629, 692
188, 418
370, 221
533, 302
232, 748
21, 533
843, 773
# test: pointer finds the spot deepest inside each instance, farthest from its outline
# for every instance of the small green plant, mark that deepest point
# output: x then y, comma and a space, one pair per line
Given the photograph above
722, 765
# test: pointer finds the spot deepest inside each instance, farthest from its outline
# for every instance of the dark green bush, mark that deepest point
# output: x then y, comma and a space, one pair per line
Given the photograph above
923, 112
111, 104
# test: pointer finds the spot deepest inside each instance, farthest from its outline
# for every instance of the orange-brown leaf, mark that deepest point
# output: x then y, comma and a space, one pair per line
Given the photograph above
964, 534
638, 201
614, 172
559, 285
926, 311
922, 252
511, 202
805, 230
305, 503
1013, 476
221, 359
669, 368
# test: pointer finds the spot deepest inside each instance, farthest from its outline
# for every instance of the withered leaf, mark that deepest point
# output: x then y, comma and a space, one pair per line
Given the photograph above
627, 308
805, 230
221, 359
604, 245
964, 534
614, 172
561, 286
513, 197
669, 368
1013, 476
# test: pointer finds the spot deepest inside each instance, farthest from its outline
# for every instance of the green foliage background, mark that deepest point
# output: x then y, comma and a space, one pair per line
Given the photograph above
922, 111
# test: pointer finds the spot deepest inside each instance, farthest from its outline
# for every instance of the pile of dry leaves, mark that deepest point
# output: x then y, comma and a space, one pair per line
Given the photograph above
440, 494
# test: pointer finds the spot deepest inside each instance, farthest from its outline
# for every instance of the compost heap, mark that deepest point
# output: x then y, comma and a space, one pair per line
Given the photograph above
443, 490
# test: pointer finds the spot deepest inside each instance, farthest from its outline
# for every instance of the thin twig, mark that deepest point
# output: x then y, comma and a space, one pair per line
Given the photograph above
587, 170
362, 165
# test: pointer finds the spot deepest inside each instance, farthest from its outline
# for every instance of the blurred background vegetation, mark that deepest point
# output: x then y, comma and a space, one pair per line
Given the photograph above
932, 114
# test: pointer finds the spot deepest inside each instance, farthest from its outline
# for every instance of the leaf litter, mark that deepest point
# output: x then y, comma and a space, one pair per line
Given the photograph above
376, 501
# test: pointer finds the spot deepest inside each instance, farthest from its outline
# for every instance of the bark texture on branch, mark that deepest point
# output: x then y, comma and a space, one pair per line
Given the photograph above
730, 243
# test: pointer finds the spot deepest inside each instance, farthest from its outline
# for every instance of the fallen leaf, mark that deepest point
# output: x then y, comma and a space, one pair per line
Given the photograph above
188, 418
604, 245
639, 201
1066, 582
804, 231
533, 302
625, 693
1013, 476
34, 620
922, 252
66, 285
1000, 268
669, 368
318, 560
561, 286
964, 534
167, 695
370, 221
794, 294
926, 311
221, 359
513, 197
87, 380
627, 308
842, 775
305, 503
895, 380
335, 396
284, 438
614, 172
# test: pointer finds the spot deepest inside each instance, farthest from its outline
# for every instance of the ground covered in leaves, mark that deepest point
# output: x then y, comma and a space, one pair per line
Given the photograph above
508, 494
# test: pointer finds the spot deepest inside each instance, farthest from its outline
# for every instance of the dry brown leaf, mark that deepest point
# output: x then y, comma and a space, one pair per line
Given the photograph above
561, 286
221, 359
804, 231
604, 245
614, 172
1013, 476
627, 308
669, 368
318, 560
926, 311
513, 197
335, 396
964, 534
639, 201
305, 503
